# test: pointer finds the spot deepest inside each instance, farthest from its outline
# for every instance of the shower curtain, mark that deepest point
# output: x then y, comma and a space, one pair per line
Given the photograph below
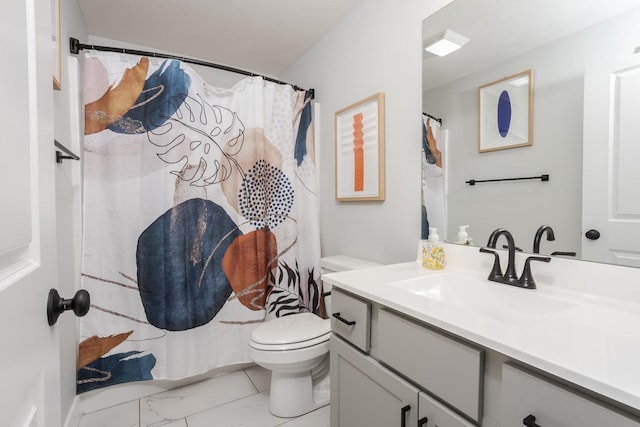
433, 200
200, 218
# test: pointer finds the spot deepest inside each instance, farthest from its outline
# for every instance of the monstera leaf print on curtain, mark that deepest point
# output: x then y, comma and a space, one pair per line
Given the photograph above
200, 217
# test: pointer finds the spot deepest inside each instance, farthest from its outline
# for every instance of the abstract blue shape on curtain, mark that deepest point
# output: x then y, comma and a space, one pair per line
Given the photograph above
179, 259
300, 150
425, 146
115, 369
163, 93
424, 229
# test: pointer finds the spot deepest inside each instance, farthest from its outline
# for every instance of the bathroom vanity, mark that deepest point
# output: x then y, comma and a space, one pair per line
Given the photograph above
415, 347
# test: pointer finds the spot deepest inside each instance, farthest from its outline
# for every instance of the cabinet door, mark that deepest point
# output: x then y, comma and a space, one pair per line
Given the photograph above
434, 414
444, 366
365, 394
531, 400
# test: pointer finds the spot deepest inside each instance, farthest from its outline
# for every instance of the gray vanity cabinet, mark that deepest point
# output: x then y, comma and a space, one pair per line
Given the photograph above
386, 370
443, 365
432, 413
392, 370
532, 400
365, 394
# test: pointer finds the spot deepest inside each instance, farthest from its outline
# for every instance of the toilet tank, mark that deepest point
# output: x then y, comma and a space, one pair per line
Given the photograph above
336, 263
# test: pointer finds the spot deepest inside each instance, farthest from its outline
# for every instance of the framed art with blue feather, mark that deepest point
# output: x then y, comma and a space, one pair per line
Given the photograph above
505, 113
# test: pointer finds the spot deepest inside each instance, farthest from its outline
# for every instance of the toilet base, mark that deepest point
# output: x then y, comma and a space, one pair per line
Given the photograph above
295, 394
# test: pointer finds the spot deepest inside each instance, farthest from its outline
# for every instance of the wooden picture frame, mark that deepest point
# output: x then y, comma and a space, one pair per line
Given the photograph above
55, 40
359, 150
505, 113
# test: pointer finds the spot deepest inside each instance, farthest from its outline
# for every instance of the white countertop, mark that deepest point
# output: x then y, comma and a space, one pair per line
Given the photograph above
594, 342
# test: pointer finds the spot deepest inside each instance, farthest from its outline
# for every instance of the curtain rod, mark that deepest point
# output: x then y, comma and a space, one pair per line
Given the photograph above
75, 47
432, 117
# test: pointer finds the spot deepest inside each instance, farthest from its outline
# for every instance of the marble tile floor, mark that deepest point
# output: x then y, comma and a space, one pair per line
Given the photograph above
238, 398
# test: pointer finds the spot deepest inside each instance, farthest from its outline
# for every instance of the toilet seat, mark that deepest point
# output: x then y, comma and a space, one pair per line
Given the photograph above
291, 332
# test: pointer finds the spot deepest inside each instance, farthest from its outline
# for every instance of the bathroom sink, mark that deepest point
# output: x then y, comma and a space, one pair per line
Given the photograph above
484, 298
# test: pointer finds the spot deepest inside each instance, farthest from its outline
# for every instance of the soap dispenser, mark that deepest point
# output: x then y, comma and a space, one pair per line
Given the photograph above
463, 237
433, 251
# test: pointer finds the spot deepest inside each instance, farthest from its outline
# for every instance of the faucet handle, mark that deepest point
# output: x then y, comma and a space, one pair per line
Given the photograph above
496, 271
526, 280
561, 253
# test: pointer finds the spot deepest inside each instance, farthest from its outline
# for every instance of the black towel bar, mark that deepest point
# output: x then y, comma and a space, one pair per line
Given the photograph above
475, 181
59, 155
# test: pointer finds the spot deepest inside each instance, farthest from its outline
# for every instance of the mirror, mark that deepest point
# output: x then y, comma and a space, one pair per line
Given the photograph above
566, 45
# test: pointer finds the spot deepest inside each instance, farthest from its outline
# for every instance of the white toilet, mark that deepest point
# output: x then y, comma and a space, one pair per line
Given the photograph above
296, 350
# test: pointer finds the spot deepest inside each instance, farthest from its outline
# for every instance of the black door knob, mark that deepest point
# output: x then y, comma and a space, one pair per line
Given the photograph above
56, 305
592, 234
530, 421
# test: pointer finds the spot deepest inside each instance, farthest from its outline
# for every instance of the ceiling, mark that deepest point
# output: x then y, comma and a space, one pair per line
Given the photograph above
256, 35
508, 27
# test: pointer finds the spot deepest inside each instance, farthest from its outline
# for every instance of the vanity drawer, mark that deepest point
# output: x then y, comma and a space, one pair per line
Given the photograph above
446, 367
432, 413
547, 403
351, 319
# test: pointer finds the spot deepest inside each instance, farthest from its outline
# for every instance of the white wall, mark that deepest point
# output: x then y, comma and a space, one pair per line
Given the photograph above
377, 48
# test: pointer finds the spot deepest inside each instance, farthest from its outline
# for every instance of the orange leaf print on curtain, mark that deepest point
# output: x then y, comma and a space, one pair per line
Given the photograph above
99, 114
358, 153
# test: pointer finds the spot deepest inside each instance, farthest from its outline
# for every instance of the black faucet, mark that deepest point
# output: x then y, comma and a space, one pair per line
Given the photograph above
563, 253
510, 276
536, 240
550, 237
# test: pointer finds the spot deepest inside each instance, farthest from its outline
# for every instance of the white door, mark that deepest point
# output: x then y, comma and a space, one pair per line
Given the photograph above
611, 197
29, 354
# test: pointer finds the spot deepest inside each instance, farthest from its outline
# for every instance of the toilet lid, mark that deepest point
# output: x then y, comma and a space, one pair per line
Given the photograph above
295, 328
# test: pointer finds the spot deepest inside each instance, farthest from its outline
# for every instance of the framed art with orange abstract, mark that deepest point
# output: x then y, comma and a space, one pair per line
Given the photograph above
359, 151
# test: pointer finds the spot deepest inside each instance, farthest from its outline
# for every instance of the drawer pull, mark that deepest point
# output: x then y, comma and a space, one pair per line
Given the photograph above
530, 421
423, 421
403, 414
343, 320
